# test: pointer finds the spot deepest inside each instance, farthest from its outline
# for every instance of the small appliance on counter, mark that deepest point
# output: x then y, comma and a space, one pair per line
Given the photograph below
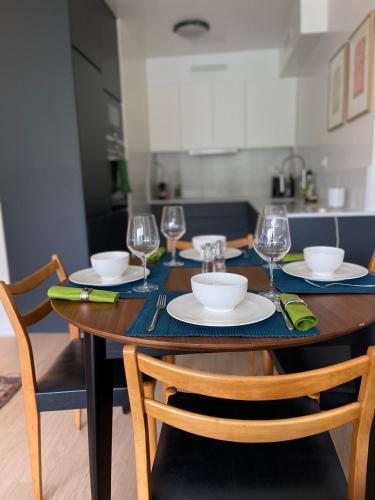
278, 184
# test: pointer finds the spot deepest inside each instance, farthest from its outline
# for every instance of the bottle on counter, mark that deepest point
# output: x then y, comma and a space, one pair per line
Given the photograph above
309, 192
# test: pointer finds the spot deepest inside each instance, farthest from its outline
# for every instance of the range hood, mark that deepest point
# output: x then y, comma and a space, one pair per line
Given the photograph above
213, 151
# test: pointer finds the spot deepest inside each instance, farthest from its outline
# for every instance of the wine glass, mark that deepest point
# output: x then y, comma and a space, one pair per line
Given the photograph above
143, 239
173, 226
272, 240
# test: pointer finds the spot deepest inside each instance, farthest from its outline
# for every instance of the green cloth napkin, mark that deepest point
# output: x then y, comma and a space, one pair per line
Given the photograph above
292, 257
300, 315
156, 255
67, 293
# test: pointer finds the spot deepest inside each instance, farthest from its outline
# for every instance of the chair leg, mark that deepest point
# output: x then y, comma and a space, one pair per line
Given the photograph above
168, 359
252, 368
148, 389
78, 419
34, 440
267, 363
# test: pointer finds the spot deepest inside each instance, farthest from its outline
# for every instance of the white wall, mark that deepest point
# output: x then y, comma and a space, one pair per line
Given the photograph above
348, 150
135, 112
5, 328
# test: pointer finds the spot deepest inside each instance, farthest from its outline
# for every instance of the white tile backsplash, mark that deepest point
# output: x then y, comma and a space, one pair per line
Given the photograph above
246, 173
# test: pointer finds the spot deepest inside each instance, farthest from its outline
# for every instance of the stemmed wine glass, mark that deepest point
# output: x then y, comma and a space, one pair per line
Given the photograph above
143, 239
173, 226
272, 240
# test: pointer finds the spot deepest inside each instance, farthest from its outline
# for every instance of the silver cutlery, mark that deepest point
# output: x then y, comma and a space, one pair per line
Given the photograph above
161, 304
334, 284
280, 309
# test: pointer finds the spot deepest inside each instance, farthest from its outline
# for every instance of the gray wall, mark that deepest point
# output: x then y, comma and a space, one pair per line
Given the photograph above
40, 174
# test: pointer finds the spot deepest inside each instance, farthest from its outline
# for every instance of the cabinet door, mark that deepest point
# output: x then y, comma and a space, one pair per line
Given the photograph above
110, 60
85, 28
270, 113
92, 121
164, 118
196, 116
228, 114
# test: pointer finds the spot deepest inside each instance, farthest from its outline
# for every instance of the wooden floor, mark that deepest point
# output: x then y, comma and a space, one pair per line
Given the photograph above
64, 450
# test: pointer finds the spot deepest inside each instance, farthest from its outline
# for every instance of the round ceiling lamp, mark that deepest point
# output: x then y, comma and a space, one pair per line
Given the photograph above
191, 28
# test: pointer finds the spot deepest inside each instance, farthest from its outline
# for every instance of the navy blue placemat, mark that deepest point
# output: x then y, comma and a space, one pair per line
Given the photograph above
289, 284
167, 326
158, 275
252, 259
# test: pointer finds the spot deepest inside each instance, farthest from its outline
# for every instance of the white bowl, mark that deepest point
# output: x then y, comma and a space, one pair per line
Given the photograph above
220, 292
110, 265
200, 241
323, 261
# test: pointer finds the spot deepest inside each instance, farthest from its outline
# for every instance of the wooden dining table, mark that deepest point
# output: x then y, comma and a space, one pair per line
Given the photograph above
105, 327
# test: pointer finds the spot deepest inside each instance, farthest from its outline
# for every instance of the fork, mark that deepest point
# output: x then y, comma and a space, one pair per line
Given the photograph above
160, 304
334, 284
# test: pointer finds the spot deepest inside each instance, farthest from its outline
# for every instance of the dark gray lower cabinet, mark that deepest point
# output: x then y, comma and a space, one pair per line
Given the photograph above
235, 220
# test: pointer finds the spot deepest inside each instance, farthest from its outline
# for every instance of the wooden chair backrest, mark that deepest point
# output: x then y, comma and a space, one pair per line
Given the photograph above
20, 322
247, 241
252, 388
371, 266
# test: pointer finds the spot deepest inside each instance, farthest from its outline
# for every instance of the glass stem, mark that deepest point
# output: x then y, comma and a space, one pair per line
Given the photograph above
272, 287
144, 261
173, 250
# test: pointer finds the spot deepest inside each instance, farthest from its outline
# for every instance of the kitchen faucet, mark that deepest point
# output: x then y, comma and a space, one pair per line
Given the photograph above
295, 156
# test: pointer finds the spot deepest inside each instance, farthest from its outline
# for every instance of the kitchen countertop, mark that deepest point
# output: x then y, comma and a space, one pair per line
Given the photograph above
296, 207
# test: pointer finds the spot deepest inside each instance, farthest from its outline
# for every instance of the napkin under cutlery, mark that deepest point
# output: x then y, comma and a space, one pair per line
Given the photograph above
70, 293
300, 315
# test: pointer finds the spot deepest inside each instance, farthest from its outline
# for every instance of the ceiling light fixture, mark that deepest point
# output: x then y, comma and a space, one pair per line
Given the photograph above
191, 28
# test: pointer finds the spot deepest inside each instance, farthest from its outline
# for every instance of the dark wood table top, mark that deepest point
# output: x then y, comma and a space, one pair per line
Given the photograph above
338, 315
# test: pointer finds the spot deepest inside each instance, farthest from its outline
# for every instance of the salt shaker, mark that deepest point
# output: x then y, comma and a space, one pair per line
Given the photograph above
219, 259
207, 258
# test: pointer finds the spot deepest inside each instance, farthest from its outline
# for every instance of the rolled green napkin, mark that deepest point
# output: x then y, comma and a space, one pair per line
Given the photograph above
292, 257
300, 315
156, 255
67, 293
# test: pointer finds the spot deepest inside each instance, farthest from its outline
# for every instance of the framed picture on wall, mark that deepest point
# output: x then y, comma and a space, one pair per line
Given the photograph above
337, 101
361, 68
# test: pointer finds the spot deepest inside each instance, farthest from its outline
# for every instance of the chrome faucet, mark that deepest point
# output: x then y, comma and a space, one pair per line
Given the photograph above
295, 156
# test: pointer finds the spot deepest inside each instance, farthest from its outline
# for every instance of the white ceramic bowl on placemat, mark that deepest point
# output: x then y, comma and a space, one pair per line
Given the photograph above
323, 261
220, 292
110, 266
200, 241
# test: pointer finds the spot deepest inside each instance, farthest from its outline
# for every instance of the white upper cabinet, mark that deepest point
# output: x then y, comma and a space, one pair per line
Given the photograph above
227, 114
196, 116
270, 113
228, 109
164, 118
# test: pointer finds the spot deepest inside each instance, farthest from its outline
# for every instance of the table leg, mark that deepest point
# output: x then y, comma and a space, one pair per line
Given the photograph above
99, 383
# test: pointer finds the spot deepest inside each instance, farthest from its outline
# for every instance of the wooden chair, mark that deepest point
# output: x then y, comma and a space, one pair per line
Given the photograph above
63, 387
296, 359
247, 437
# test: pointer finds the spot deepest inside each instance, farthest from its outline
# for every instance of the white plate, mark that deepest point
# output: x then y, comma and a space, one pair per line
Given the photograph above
192, 254
252, 309
346, 271
90, 278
